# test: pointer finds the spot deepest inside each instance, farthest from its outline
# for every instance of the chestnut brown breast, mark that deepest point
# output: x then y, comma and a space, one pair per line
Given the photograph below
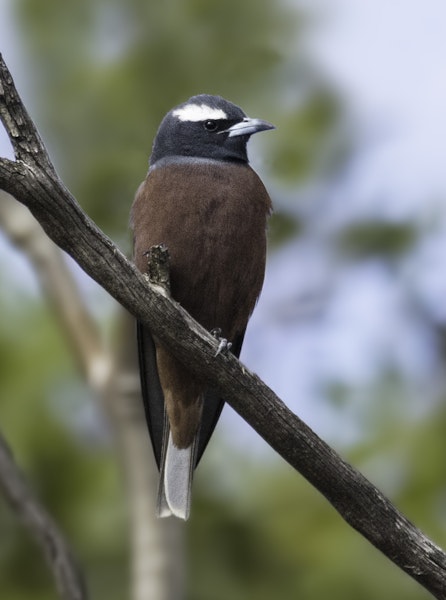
212, 217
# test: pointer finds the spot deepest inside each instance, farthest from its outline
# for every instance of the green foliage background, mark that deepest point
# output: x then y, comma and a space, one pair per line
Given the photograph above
100, 76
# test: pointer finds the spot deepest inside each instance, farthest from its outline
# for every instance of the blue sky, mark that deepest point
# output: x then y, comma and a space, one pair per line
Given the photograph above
388, 60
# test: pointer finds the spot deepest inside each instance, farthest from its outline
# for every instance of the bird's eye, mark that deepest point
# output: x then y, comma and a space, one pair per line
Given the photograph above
210, 125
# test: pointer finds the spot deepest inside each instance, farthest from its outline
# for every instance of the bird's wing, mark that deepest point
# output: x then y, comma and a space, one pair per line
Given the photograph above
153, 398
213, 405
152, 392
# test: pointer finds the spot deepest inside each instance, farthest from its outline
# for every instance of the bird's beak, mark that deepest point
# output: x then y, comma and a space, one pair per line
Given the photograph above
248, 127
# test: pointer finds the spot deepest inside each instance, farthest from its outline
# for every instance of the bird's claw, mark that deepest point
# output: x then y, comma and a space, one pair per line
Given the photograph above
223, 345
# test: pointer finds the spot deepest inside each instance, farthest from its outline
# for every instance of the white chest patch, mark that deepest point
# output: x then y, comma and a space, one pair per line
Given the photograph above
199, 112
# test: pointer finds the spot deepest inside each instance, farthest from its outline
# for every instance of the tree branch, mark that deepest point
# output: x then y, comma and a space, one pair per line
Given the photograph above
69, 581
34, 183
59, 289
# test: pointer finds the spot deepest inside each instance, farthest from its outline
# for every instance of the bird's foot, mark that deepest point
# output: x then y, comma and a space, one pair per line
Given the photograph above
223, 345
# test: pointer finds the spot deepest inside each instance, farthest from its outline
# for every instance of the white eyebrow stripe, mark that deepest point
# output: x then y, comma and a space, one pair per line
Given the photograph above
199, 112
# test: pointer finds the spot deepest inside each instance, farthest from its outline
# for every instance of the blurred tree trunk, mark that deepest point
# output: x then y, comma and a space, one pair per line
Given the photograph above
156, 544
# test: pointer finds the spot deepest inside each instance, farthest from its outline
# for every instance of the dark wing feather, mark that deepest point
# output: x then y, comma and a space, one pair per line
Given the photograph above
213, 405
152, 393
154, 400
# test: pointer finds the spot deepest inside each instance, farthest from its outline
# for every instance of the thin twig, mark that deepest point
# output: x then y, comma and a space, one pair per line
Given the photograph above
69, 581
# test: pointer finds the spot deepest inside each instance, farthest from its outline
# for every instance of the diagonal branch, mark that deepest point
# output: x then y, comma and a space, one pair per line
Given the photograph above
358, 501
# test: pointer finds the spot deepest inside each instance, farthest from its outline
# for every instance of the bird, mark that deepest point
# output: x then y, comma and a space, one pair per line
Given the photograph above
205, 203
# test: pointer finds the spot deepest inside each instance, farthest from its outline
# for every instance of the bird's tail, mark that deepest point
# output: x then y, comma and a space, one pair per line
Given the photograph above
176, 474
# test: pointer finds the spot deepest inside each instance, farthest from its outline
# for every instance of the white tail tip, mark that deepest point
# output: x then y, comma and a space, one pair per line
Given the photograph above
176, 482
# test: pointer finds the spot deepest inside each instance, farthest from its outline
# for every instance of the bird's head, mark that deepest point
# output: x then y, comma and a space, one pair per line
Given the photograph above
207, 127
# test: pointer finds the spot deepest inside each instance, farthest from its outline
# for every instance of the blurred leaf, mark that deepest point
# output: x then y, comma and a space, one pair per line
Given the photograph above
281, 228
306, 129
378, 238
